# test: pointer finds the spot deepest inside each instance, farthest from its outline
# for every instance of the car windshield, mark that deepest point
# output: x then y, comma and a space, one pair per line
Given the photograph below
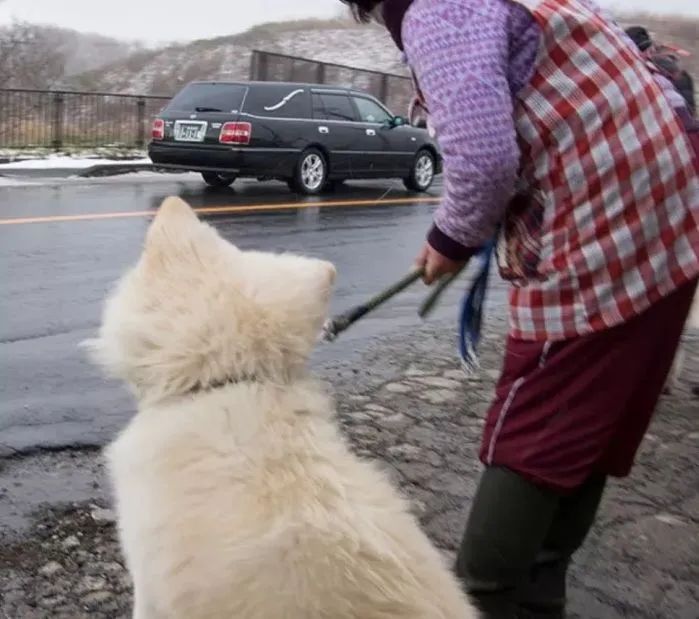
208, 98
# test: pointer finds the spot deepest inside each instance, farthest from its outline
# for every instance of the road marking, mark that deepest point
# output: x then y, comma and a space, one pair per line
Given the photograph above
212, 210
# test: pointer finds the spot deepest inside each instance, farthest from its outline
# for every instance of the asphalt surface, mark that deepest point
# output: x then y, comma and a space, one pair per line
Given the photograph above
63, 245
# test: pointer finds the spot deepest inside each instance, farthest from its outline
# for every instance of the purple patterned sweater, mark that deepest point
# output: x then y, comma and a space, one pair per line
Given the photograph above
471, 58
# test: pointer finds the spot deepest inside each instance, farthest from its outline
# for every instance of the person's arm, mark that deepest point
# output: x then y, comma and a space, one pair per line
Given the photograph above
460, 55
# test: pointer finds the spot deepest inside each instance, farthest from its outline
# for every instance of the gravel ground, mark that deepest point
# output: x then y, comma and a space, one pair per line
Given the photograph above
61, 560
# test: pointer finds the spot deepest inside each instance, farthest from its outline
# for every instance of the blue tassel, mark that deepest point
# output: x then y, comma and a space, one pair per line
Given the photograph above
472, 312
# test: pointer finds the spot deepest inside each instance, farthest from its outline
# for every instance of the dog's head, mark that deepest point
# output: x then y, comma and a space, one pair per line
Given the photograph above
196, 311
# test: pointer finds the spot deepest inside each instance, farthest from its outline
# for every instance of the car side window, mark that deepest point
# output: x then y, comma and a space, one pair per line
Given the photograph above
370, 111
334, 107
318, 108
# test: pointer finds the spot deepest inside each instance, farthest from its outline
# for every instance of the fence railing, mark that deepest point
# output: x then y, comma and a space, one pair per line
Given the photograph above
63, 119
394, 90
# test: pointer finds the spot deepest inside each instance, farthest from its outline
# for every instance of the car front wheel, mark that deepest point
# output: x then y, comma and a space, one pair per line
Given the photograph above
421, 175
214, 179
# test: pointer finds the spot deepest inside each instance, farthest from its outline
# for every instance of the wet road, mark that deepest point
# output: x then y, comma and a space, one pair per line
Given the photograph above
62, 246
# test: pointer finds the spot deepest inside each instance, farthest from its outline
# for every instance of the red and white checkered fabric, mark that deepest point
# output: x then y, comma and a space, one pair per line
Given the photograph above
614, 221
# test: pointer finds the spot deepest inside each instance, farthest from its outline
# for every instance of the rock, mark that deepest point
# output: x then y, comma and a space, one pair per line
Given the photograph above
103, 516
404, 452
361, 417
95, 599
358, 398
480, 409
50, 569
438, 396
398, 388
396, 421
70, 542
671, 520
364, 453
92, 583
454, 375
438, 381
51, 601
418, 507
99, 568
415, 371
377, 408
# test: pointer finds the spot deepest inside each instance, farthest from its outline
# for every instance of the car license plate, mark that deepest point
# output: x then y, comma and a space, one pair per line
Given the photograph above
190, 131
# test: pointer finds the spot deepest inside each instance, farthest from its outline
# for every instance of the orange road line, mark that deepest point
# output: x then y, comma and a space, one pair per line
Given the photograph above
211, 210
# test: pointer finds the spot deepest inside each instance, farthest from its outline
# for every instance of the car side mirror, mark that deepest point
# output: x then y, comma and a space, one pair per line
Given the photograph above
396, 121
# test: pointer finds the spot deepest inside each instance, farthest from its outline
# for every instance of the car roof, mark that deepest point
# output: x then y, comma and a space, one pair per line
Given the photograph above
325, 87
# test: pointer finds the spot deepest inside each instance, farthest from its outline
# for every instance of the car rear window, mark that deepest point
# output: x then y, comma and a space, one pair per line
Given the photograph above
209, 97
278, 102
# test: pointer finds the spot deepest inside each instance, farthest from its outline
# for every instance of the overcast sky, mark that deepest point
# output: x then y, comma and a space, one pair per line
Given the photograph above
158, 21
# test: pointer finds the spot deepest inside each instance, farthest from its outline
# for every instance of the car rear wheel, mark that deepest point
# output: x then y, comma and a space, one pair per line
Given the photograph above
214, 179
421, 175
311, 173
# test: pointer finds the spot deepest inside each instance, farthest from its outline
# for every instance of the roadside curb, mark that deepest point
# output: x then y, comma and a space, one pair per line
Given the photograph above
116, 170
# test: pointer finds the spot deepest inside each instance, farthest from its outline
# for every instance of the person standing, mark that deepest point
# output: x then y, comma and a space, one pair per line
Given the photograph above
554, 133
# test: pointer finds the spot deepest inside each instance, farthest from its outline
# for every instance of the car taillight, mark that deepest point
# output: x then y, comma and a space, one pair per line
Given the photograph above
235, 133
158, 131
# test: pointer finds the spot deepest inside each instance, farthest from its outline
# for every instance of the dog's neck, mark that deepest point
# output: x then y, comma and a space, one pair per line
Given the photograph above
220, 384
245, 379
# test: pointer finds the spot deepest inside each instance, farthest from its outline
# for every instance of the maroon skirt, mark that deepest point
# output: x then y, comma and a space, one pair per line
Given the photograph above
564, 410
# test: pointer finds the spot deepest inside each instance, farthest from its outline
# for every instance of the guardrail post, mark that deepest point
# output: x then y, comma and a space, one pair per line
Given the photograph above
141, 129
58, 102
383, 89
258, 66
320, 73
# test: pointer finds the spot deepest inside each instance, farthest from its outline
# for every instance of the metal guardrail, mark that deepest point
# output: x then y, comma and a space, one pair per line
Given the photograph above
393, 90
59, 119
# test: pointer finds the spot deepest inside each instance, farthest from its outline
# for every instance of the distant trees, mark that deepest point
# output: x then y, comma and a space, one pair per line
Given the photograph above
28, 59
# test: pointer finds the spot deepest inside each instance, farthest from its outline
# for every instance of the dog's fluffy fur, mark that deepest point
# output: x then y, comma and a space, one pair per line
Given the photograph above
236, 495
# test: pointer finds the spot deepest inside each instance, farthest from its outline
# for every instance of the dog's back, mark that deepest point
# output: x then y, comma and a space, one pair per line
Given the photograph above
245, 502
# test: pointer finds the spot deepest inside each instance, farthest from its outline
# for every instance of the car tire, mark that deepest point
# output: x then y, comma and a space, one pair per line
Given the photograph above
310, 174
422, 172
214, 179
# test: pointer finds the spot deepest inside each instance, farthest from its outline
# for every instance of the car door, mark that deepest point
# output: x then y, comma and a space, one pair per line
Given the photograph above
336, 127
380, 144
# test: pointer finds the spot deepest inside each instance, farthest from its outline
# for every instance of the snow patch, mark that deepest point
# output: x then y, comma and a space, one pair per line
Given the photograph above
54, 162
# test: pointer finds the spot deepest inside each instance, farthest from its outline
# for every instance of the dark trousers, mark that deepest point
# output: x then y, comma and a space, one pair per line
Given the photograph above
519, 541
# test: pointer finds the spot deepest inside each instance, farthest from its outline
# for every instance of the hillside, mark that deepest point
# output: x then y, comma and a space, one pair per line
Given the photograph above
33, 56
341, 41
163, 71
90, 62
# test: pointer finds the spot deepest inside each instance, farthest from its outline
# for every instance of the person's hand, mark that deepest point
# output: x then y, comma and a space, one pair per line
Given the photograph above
435, 264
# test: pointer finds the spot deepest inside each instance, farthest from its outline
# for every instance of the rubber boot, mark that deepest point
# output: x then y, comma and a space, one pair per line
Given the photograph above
543, 594
509, 521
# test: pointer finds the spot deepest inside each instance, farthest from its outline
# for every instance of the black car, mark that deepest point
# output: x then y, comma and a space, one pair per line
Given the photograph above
308, 135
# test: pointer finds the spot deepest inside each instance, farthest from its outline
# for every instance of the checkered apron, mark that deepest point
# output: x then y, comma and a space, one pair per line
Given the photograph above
610, 220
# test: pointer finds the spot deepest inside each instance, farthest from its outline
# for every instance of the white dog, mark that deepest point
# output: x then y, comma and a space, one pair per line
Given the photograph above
236, 495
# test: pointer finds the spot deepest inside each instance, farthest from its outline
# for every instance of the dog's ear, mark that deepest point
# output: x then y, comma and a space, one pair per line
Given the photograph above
172, 232
174, 215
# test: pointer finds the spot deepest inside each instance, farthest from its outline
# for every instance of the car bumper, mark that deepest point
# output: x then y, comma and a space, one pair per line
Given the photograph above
275, 163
